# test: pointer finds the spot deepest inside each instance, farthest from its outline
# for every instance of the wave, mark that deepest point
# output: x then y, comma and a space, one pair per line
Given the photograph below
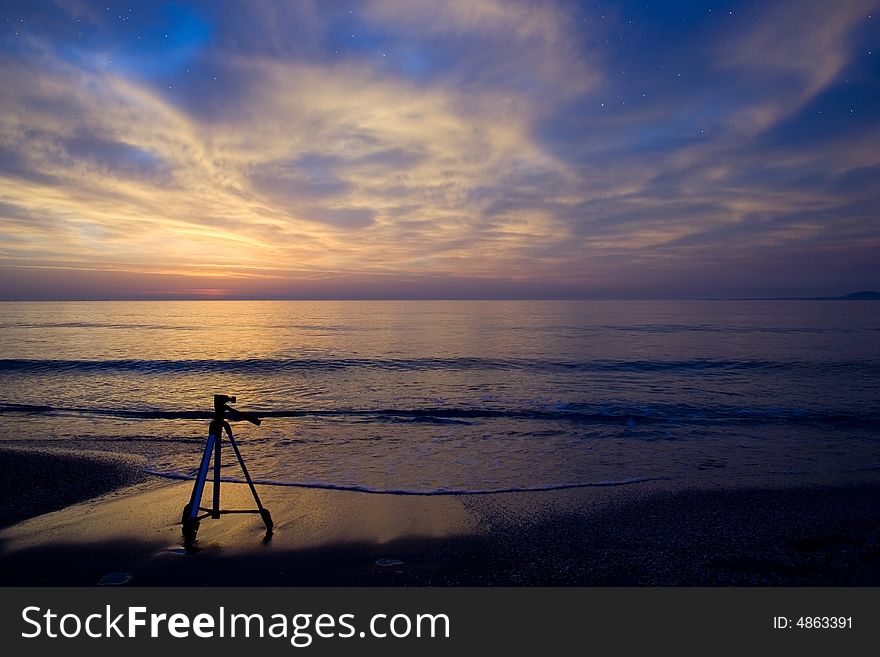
328, 328
573, 413
281, 365
96, 325
706, 328
432, 492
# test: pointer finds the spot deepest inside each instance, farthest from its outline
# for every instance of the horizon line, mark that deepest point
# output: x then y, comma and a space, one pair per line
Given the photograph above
525, 298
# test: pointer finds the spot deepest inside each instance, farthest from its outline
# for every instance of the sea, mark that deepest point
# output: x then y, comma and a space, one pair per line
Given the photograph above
450, 397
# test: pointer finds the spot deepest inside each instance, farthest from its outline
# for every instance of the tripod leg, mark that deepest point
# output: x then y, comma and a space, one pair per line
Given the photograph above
191, 510
215, 506
264, 512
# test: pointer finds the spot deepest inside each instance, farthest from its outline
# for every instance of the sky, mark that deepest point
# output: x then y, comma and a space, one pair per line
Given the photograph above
456, 149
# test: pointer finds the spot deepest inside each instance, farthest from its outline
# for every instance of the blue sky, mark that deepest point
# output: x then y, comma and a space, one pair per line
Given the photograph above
479, 148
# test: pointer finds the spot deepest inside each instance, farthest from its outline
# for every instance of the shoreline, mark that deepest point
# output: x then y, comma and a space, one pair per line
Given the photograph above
119, 520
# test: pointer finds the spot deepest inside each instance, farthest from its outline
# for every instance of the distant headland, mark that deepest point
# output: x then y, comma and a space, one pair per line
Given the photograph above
868, 295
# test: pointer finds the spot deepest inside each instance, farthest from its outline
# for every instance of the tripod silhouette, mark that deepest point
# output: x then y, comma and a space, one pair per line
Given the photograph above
193, 512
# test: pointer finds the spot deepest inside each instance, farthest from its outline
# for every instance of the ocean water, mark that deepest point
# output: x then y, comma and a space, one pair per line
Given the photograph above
433, 397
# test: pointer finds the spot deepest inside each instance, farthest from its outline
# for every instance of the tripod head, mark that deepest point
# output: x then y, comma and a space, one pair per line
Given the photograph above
222, 408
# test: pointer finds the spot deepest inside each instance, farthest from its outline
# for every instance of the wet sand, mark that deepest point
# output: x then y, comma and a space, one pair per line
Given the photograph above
35, 482
791, 531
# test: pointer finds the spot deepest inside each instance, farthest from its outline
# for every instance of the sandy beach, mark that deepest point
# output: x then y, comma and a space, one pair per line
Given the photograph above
97, 519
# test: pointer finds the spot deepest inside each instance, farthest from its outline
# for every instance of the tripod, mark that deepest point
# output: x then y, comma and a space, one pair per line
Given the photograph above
191, 516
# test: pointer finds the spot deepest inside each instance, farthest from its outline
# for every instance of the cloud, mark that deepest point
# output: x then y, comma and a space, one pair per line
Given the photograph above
530, 48
474, 141
308, 145
798, 50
